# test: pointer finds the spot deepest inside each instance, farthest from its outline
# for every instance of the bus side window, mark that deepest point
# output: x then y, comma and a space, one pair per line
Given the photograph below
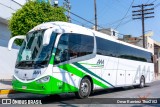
62, 50
80, 45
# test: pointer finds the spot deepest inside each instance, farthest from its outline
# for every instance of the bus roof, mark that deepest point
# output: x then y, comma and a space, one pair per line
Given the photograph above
65, 27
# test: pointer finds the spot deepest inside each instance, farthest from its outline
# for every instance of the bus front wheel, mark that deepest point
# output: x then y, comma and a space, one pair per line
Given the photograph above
84, 89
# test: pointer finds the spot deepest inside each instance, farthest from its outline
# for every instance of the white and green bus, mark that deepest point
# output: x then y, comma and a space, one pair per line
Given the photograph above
60, 57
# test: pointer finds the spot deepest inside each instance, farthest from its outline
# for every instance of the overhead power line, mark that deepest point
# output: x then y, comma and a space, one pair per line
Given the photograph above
157, 5
125, 15
17, 3
147, 1
70, 13
150, 2
90, 22
153, 1
126, 22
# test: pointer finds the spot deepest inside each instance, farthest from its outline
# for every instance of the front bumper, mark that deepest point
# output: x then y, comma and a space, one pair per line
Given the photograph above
51, 87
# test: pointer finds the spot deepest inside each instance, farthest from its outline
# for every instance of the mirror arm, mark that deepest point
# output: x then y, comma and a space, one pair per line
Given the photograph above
13, 39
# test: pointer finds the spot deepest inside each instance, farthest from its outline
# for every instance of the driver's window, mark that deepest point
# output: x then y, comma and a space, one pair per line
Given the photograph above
62, 50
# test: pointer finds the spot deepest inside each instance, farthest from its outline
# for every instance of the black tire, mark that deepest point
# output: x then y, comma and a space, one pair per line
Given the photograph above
84, 89
142, 82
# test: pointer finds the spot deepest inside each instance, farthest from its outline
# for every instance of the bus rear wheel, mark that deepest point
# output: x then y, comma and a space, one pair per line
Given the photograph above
142, 82
84, 89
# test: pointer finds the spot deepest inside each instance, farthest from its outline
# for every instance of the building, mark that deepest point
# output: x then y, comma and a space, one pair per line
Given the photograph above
7, 58
110, 32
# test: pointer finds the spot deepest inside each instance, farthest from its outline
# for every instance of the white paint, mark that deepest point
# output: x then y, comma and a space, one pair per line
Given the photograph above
7, 58
7, 62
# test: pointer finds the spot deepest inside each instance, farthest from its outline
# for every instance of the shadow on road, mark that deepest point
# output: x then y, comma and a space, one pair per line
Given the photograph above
6, 82
65, 99
146, 105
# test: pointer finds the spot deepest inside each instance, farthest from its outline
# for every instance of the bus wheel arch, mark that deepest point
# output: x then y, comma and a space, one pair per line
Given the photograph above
92, 85
85, 87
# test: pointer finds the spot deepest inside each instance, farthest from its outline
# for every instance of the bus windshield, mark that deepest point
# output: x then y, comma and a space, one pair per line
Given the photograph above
32, 53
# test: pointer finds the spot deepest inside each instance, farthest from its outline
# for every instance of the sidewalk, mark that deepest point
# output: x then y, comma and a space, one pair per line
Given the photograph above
158, 78
6, 87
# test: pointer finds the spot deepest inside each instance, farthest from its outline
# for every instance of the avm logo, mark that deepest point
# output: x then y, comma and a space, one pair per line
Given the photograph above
100, 62
36, 72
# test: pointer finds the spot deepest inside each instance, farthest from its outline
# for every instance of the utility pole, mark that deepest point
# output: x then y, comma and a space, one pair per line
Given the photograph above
143, 14
95, 14
67, 6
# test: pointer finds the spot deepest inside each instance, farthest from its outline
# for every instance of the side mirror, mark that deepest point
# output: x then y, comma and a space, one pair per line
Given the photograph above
13, 39
46, 37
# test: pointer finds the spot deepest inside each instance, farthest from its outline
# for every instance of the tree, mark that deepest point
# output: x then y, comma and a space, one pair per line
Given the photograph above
32, 14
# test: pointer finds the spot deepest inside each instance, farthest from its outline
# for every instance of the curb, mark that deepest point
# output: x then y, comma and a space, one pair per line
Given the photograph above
6, 91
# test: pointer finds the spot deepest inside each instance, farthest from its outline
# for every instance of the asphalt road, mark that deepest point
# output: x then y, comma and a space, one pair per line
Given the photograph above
95, 100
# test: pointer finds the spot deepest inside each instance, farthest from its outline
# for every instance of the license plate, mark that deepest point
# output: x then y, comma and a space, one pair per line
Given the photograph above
24, 87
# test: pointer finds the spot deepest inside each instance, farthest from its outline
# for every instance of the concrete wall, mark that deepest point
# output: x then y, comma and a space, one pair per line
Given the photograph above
4, 34
150, 44
7, 58
7, 62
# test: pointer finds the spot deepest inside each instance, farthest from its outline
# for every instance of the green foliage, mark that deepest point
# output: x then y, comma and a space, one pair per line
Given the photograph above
32, 14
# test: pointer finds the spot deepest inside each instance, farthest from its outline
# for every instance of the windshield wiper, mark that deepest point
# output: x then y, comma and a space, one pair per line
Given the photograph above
41, 63
20, 63
25, 64
30, 64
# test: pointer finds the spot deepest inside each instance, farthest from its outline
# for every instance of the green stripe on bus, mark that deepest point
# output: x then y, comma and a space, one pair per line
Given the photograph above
72, 70
99, 83
65, 87
81, 74
52, 60
94, 65
93, 74
54, 86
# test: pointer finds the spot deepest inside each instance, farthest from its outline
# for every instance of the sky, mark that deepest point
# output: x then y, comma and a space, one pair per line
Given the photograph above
110, 12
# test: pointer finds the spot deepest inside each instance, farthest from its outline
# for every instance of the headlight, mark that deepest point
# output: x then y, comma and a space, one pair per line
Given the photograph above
44, 79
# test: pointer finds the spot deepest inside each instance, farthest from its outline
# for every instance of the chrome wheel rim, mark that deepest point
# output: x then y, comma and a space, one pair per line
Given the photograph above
84, 88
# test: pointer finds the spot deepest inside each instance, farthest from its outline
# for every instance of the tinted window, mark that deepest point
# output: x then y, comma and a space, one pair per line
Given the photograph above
62, 50
80, 45
106, 47
132, 53
71, 46
113, 49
